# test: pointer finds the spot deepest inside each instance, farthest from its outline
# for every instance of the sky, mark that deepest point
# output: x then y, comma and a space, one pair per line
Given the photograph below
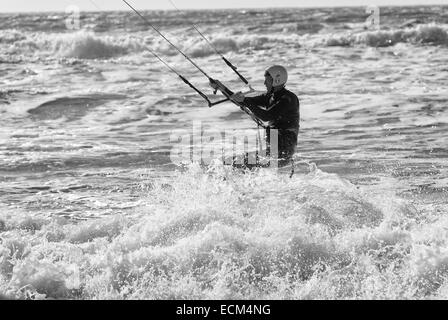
94, 5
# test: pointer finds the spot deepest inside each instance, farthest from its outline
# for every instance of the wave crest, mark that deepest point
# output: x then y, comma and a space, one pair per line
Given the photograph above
225, 44
432, 34
81, 45
88, 46
423, 34
221, 44
11, 36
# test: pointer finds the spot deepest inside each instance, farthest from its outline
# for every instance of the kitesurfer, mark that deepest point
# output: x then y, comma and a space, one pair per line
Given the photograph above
279, 107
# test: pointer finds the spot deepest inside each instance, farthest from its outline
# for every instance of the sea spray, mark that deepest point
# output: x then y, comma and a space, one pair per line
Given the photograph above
227, 238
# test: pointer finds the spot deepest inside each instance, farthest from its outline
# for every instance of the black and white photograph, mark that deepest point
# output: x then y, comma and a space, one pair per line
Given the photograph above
249, 151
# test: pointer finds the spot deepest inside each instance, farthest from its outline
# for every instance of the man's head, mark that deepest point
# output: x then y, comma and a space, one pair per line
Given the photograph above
275, 77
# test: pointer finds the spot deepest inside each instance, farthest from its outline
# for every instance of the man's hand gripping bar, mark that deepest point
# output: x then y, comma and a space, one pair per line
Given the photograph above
217, 85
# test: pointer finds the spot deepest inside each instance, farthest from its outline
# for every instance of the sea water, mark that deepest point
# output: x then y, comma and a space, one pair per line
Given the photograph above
92, 205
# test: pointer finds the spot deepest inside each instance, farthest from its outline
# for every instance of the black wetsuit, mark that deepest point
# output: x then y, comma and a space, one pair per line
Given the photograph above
282, 110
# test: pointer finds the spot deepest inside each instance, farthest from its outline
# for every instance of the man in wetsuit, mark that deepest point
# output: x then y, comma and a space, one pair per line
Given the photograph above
279, 107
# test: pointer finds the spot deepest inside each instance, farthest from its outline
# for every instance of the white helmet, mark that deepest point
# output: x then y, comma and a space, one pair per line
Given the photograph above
278, 74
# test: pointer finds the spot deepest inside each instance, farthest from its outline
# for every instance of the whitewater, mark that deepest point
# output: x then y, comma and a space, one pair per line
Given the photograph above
93, 207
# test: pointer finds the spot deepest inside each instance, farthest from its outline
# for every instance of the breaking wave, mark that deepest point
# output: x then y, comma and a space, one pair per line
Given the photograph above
88, 45
81, 45
218, 234
226, 44
11, 36
423, 34
221, 44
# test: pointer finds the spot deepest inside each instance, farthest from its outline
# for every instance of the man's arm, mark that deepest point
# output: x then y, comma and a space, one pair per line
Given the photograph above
252, 103
257, 101
273, 111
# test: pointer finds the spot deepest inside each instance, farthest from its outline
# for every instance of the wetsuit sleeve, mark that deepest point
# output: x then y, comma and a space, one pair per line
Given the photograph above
254, 104
261, 100
273, 111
